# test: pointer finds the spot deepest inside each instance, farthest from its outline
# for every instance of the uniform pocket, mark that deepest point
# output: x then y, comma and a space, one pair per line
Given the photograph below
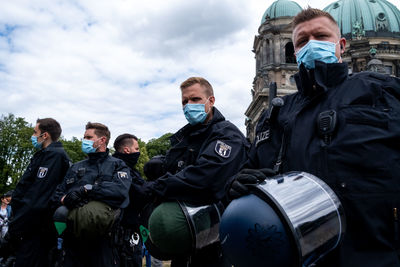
370, 221
365, 115
362, 138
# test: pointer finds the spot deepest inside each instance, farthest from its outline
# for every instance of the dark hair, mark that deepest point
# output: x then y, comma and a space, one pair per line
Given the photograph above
312, 13
99, 130
51, 126
124, 140
203, 82
7, 194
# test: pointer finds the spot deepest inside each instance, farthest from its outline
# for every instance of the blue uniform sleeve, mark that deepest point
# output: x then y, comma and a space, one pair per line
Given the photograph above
61, 190
221, 157
113, 191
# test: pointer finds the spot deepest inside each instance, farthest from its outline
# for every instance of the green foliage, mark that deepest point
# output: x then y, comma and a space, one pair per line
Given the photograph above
15, 150
144, 157
158, 146
73, 148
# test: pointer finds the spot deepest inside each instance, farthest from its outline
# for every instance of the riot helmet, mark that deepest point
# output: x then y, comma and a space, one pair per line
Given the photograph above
293, 219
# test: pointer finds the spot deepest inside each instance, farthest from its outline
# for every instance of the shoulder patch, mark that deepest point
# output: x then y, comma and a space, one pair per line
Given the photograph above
122, 175
223, 149
262, 136
42, 172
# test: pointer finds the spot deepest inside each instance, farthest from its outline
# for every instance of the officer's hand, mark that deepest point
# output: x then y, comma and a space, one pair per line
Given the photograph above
154, 168
75, 198
238, 186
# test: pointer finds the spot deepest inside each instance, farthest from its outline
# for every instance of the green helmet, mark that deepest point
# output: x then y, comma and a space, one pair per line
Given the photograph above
92, 220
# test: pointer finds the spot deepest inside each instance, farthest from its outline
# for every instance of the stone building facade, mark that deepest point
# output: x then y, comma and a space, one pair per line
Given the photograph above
372, 30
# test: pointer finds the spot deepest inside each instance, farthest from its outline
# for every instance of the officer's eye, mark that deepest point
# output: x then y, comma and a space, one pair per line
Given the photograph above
196, 99
301, 42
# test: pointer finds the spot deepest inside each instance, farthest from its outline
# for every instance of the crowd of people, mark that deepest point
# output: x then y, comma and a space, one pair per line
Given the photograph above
104, 206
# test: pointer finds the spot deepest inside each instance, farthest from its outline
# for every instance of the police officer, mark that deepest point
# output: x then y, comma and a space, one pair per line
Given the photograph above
130, 246
343, 129
100, 178
31, 223
204, 154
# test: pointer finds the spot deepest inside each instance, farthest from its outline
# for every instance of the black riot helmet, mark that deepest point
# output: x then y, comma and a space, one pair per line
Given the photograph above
293, 219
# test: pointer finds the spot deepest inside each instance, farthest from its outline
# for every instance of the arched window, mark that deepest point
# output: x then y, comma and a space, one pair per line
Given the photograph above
289, 53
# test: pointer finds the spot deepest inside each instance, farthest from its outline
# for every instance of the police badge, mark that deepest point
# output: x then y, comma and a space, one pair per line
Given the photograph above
122, 175
223, 149
42, 172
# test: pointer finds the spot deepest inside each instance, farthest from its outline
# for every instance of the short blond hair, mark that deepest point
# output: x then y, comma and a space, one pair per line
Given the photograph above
311, 13
203, 82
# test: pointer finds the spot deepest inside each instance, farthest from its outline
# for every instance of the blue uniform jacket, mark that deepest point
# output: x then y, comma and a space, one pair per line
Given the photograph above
359, 159
30, 200
202, 158
109, 176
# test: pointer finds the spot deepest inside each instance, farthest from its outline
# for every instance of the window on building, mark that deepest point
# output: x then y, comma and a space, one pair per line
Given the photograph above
388, 69
289, 53
381, 22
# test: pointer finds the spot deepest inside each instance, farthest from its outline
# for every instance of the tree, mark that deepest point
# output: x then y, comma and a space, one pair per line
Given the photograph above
158, 146
73, 148
143, 158
15, 150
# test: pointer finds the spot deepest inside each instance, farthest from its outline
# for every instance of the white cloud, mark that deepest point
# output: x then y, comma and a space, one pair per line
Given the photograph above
121, 62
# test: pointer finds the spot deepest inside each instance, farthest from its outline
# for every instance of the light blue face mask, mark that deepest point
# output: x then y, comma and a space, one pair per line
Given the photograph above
195, 113
35, 142
316, 50
87, 146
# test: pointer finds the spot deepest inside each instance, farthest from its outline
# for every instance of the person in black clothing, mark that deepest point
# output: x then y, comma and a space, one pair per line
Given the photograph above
130, 246
98, 179
31, 228
343, 129
204, 155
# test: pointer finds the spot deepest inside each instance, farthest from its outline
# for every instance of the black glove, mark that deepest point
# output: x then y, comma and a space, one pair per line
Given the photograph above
154, 168
8, 245
75, 198
238, 186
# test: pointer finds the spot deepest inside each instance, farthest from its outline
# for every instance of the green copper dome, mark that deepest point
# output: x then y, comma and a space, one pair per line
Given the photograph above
370, 18
281, 8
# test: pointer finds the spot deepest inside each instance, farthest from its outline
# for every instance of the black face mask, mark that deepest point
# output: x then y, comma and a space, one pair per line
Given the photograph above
129, 159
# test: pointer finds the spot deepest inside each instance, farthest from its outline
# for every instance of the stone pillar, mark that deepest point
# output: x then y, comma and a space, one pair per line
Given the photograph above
277, 48
264, 52
271, 50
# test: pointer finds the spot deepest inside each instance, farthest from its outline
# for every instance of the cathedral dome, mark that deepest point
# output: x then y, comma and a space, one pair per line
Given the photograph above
370, 18
281, 8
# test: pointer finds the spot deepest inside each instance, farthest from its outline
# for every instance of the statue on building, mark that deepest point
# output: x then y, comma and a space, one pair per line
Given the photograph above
358, 30
375, 64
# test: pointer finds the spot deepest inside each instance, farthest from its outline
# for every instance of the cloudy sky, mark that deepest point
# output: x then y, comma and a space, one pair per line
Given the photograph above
121, 62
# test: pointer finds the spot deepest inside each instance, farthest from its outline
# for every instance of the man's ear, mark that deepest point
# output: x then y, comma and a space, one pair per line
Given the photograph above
212, 100
342, 43
125, 150
103, 140
46, 136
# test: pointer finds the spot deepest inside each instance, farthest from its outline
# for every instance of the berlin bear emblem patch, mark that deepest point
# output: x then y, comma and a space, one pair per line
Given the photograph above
122, 175
42, 172
223, 149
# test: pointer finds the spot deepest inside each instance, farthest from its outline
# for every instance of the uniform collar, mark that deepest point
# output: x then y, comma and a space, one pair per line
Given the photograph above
324, 75
98, 155
196, 129
51, 146
54, 144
